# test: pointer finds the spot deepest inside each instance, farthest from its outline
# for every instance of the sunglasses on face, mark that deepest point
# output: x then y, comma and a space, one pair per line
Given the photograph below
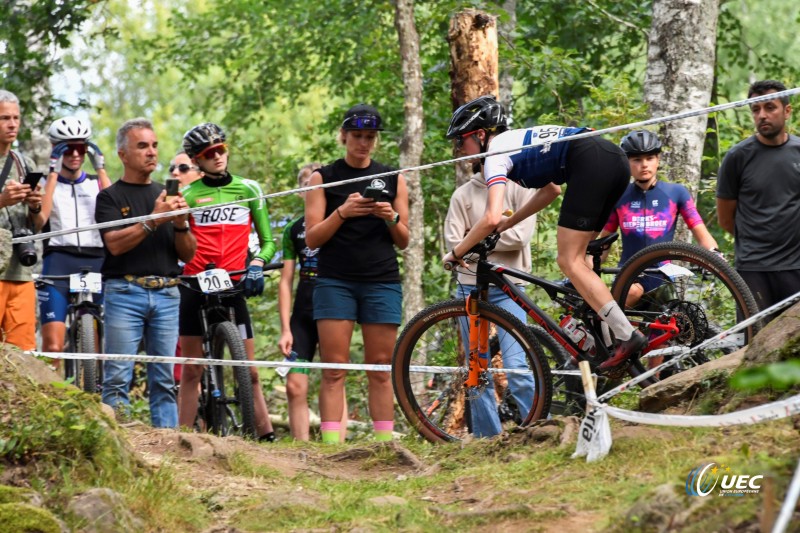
183, 168
364, 122
463, 138
80, 148
213, 151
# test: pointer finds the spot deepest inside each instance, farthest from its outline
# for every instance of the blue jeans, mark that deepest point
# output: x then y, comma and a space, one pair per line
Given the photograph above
483, 410
133, 313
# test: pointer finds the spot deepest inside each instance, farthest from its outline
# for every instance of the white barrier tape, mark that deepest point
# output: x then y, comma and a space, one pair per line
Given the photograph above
754, 415
272, 364
705, 344
595, 133
789, 504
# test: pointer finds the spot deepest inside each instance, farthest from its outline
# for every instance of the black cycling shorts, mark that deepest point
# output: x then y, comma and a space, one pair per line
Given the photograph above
190, 324
597, 175
304, 331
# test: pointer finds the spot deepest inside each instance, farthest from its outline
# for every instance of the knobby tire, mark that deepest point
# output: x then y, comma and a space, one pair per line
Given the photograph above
435, 403
234, 410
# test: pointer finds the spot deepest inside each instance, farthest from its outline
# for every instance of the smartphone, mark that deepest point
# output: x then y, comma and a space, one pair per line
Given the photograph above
173, 184
33, 179
374, 193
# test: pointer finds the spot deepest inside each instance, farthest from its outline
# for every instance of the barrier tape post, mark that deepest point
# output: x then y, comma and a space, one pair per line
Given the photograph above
594, 435
789, 504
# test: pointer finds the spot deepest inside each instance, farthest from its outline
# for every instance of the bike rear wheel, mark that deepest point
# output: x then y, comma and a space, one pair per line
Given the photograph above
232, 411
705, 295
434, 401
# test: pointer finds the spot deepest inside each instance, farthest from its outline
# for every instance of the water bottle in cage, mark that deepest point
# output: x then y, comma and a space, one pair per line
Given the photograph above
576, 331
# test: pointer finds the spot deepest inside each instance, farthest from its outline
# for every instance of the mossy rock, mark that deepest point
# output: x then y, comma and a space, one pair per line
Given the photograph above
24, 518
17, 495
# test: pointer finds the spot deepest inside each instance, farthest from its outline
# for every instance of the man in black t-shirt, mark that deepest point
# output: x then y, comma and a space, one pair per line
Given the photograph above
140, 269
758, 200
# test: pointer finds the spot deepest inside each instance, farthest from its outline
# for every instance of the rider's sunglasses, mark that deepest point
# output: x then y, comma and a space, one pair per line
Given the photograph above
213, 151
362, 122
183, 168
77, 147
461, 139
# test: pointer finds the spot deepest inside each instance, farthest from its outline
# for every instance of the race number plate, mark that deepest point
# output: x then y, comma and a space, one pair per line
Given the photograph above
89, 282
673, 271
214, 280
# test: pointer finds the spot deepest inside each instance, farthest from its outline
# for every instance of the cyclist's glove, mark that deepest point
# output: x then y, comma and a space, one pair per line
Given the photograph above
254, 281
96, 156
57, 156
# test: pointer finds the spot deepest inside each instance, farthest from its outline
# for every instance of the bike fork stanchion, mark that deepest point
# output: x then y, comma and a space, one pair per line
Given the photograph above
478, 343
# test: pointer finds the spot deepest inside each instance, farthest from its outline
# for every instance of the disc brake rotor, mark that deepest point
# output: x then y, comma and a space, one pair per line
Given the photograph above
691, 321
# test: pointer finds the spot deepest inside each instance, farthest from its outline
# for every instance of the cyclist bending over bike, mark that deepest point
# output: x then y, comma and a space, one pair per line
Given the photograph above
68, 203
222, 235
596, 173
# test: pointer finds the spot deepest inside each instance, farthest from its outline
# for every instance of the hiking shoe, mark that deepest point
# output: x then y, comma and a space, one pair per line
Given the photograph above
627, 348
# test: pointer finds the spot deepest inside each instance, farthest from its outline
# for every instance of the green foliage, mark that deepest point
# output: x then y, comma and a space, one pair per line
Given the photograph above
780, 376
29, 35
37, 429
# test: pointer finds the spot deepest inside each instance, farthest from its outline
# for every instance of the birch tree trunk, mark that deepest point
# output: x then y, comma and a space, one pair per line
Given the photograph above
680, 77
411, 146
473, 55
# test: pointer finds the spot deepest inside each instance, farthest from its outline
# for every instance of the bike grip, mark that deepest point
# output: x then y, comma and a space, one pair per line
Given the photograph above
449, 266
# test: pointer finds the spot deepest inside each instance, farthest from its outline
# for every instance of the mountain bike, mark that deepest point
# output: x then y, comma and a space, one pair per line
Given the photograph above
226, 392
84, 323
436, 371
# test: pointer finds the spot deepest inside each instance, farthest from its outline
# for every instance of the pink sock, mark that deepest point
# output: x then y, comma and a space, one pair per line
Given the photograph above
330, 431
383, 430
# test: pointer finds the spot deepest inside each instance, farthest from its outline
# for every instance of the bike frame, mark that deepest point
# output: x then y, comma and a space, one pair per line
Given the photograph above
492, 274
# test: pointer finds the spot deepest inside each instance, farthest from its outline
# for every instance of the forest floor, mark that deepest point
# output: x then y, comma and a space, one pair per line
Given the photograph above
58, 442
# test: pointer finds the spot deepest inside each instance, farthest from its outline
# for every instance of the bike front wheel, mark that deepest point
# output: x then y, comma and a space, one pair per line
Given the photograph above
86, 377
697, 288
231, 409
435, 399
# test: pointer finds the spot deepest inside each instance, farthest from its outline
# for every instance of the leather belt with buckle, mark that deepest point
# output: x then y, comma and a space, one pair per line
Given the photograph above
152, 282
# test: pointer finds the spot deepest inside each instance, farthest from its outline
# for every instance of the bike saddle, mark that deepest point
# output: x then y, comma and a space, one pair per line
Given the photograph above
598, 246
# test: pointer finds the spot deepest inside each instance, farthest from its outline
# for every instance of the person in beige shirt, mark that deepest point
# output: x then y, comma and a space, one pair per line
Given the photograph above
467, 206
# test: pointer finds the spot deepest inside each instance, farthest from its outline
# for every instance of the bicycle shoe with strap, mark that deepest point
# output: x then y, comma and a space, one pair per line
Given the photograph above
626, 349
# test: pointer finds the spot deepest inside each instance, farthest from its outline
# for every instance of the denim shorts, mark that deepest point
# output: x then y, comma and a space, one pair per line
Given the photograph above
364, 302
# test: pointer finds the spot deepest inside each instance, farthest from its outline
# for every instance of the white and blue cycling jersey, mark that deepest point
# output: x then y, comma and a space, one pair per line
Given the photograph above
534, 167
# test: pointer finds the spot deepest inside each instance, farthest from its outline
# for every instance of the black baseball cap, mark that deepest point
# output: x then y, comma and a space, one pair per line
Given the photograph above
362, 117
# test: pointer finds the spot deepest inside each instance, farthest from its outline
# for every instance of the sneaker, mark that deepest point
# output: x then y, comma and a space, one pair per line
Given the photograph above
632, 346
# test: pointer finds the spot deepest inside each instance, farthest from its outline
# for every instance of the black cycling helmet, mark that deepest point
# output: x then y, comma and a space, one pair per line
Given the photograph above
640, 142
201, 137
483, 113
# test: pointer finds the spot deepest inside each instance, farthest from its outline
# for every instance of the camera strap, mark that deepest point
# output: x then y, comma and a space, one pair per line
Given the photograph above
6, 169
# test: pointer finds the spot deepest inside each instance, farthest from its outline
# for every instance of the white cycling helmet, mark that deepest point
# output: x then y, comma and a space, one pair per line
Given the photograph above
69, 129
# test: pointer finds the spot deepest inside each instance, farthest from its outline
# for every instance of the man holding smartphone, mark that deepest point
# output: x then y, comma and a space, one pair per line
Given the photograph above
223, 233
19, 210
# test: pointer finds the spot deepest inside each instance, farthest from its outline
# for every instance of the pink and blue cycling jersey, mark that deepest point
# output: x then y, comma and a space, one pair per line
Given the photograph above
649, 217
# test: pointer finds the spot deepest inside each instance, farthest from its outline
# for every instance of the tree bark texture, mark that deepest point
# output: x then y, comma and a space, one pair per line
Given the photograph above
473, 55
680, 77
506, 30
411, 147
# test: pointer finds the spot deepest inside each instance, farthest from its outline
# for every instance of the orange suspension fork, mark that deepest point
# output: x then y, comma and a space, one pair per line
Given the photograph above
478, 343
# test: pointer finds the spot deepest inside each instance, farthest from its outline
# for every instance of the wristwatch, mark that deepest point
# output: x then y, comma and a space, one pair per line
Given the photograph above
182, 229
395, 219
